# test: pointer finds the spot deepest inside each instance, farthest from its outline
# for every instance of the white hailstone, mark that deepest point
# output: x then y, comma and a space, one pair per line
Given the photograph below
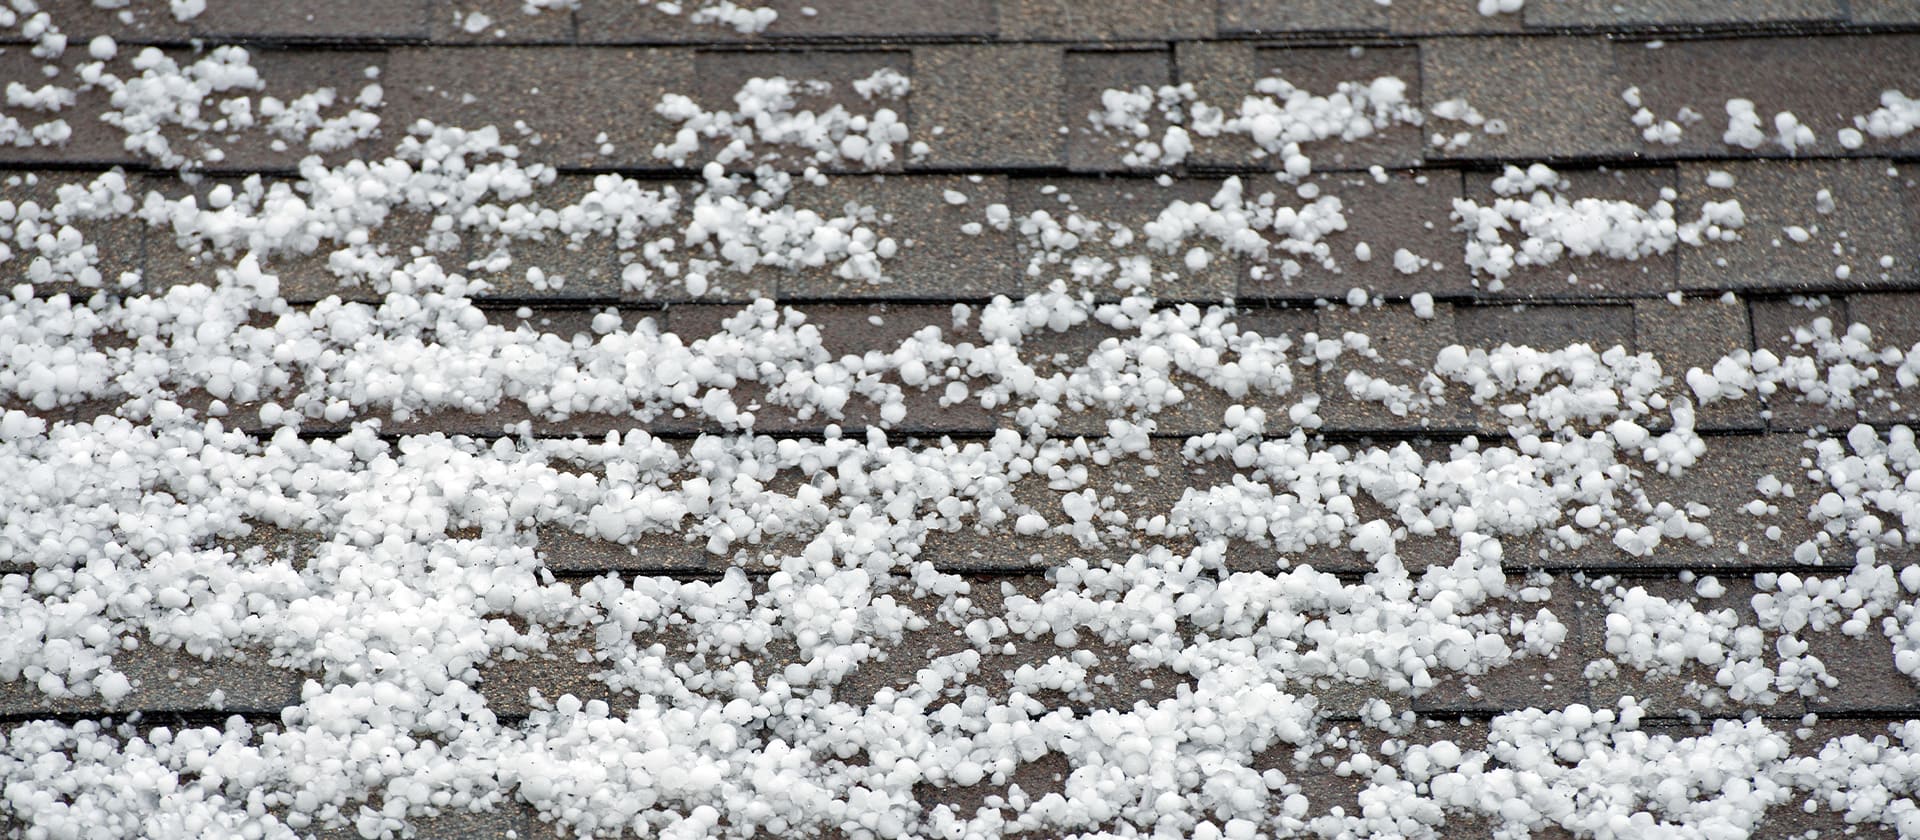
1422, 303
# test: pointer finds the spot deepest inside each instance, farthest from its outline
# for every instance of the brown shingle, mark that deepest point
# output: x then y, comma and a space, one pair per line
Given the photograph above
719, 74
1569, 106
1405, 346
1408, 210
1273, 17
566, 97
1851, 212
1612, 14
336, 20
1698, 333
935, 259
1106, 211
990, 105
1093, 20
1825, 82
1090, 73
1599, 275
506, 22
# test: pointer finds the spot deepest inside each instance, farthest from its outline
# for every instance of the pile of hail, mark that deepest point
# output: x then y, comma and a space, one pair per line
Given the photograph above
204, 474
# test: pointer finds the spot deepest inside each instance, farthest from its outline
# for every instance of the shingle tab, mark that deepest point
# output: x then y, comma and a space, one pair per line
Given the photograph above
990, 105
719, 74
934, 257
1613, 14
1824, 82
1697, 334
1778, 326
1446, 17
1320, 72
335, 20
117, 243
1090, 74
1569, 108
497, 22
1276, 17
1091, 213
567, 97
1403, 348
1576, 277
1093, 20
1401, 210
1851, 214
168, 679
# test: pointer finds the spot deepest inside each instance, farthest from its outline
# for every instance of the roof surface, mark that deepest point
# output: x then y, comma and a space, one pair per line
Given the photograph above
913, 519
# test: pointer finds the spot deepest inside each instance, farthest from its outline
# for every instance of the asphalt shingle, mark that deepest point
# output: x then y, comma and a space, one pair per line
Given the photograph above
1851, 214
169, 679
1824, 82
1569, 109
1611, 14
1698, 334
1592, 276
1277, 17
1399, 210
1104, 221
1401, 348
924, 216
338, 20
1092, 20
990, 105
567, 98
497, 22
1090, 73
721, 73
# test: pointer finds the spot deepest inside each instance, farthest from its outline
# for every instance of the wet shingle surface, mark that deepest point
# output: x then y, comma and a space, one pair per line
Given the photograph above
1016, 191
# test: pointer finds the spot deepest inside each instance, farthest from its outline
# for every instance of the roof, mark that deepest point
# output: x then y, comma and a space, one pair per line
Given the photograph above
1277, 416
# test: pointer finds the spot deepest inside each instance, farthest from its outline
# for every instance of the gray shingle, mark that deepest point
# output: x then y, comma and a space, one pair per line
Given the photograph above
511, 818
1092, 20
567, 97
336, 20
1614, 14
1578, 277
1726, 481
626, 22
1569, 108
567, 267
290, 74
133, 23
1692, 687
1864, 223
1698, 334
1090, 74
1895, 321
1825, 82
1530, 680
117, 242
989, 105
1775, 325
90, 142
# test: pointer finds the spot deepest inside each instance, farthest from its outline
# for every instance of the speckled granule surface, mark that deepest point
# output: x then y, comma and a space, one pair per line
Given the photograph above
991, 418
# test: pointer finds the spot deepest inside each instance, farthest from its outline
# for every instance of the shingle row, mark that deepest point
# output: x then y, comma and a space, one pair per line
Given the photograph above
1014, 106
618, 21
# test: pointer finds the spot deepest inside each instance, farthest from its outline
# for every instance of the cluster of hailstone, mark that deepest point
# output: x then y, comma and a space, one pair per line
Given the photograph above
1278, 119
1180, 667
1551, 225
